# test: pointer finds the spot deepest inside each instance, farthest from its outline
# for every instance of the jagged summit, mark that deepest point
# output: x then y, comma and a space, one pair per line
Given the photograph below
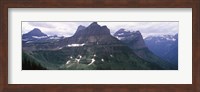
92, 34
92, 29
133, 39
94, 24
121, 33
79, 29
121, 30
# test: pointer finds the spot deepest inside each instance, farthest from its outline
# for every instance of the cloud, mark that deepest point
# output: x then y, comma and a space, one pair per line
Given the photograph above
41, 24
69, 28
146, 28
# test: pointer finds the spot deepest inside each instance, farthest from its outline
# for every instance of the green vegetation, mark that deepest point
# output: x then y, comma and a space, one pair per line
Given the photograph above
29, 63
105, 58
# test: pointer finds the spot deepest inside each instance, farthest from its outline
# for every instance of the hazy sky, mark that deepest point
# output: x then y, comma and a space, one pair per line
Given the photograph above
68, 28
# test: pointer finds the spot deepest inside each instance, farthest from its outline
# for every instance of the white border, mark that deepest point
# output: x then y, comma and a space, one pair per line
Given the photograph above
181, 76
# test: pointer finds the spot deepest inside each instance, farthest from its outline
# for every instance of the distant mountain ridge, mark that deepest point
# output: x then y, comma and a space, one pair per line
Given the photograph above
165, 46
37, 40
34, 32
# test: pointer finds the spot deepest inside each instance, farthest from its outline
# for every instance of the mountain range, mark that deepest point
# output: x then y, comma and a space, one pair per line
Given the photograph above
90, 48
165, 46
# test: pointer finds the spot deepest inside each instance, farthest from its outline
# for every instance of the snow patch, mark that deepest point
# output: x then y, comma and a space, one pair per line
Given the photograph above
78, 60
170, 39
68, 62
56, 38
75, 45
80, 56
93, 60
111, 55
59, 48
120, 34
102, 60
29, 41
39, 37
166, 37
120, 38
25, 39
173, 39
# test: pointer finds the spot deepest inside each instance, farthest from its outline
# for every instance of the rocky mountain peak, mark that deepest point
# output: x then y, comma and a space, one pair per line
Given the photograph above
79, 29
91, 30
93, 34
122, 33
94, 24
93, 27
36, 32
134, 39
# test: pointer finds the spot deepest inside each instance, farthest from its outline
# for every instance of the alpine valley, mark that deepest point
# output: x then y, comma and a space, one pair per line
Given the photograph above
165, 46
90, 48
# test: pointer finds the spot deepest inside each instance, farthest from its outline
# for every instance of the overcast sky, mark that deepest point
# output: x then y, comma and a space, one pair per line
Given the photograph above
68, 28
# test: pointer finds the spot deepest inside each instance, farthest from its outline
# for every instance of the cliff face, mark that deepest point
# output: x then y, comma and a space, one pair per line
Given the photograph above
91, 35
133, 39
